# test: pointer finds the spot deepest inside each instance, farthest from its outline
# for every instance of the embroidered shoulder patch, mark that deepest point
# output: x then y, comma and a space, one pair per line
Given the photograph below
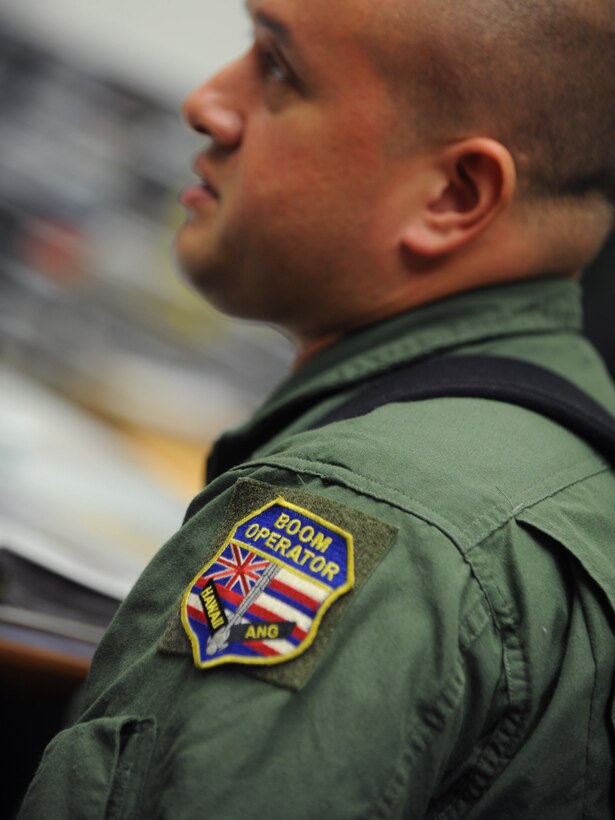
271, 600
261, 599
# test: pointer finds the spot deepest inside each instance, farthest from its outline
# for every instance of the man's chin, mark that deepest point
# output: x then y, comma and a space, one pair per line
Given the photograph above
208, 277
200, 275
192, 256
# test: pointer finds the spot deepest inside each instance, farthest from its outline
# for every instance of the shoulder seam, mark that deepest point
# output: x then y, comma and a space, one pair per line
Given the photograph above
492, 525
372, 489
492, 519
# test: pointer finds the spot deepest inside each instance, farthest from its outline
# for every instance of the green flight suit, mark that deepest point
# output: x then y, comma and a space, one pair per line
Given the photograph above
468, 672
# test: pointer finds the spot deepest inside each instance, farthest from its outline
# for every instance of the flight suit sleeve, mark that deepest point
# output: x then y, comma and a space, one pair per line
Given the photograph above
376, 698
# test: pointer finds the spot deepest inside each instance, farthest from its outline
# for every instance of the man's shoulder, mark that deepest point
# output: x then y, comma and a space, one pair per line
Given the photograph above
453, 461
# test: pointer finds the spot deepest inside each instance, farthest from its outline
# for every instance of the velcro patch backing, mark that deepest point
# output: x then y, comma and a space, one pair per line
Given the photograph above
279, 576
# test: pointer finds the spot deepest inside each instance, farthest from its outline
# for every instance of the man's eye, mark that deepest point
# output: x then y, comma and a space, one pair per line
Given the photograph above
273, 68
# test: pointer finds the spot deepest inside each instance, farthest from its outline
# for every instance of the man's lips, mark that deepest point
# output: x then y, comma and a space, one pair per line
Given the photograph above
196, 195
201, 170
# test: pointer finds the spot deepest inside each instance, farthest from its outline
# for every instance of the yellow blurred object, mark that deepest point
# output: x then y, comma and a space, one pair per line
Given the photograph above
178, 464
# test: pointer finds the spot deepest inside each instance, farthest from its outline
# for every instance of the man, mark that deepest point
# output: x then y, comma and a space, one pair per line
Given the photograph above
408, 613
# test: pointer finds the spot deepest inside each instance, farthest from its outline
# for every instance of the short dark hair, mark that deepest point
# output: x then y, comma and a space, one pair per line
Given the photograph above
538, 75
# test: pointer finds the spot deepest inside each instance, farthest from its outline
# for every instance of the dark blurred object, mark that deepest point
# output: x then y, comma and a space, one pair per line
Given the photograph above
599, 289
48, 598
30, 714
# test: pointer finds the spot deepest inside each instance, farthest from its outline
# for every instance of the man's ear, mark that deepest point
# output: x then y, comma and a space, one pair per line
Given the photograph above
474, 181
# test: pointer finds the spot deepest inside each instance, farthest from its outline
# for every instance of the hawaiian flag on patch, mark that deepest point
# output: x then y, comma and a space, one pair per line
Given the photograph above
239, 571
261, 598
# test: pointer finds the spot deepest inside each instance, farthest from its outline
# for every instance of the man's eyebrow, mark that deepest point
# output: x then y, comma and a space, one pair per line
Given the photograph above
275, 26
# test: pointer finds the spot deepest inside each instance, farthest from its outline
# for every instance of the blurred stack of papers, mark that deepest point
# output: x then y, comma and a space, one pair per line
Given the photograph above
73, 504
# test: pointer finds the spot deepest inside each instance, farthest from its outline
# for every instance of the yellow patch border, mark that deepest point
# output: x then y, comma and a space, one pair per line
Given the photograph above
326, 605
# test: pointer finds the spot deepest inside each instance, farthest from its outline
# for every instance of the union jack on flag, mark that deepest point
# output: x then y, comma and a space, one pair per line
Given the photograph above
239, 571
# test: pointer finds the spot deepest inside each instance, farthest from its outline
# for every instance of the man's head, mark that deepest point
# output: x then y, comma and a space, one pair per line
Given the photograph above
367, 156
537, 75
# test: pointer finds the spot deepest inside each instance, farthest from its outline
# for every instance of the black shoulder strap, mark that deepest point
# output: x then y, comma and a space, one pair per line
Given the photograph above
488, 377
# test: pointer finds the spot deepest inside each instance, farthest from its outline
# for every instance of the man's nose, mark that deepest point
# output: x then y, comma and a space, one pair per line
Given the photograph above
209, 110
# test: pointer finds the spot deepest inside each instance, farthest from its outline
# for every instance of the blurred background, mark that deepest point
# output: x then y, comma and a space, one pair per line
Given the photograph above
114, 377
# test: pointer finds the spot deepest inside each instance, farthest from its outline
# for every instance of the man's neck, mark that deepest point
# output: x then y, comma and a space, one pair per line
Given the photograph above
309, 349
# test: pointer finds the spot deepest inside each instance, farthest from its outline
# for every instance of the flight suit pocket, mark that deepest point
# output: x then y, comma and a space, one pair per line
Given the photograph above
95, 770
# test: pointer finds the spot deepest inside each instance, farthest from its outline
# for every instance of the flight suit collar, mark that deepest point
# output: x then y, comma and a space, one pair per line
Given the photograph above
549, 304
